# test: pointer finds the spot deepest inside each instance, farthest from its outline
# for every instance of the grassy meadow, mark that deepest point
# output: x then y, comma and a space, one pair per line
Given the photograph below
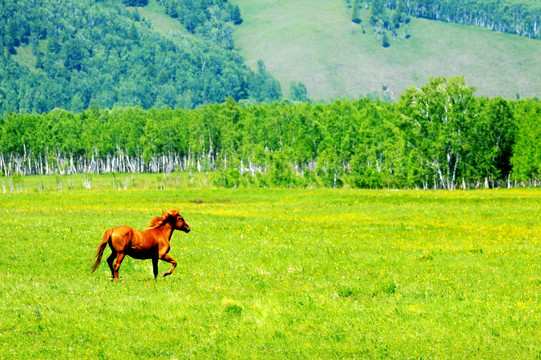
273, 273
162, 22
314, 41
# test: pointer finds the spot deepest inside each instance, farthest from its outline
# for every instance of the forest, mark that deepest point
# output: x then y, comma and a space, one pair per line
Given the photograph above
438, 136
77, 53
520, 17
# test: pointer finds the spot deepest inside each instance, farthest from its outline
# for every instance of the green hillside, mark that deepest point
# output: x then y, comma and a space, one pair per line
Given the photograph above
74, 54
314, 41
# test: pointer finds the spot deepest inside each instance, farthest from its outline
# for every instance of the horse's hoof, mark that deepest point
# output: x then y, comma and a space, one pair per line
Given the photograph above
165, 274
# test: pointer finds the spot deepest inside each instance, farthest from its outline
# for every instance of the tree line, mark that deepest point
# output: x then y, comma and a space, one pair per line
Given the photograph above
212, 19
438, 136
383, 19
521, 17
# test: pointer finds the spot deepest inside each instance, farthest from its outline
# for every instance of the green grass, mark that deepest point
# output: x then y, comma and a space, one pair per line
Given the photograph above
25, 57
275, 273
314, 41
162, 22
120, 181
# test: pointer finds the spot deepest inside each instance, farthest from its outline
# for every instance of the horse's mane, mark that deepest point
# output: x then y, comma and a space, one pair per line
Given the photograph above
159, 221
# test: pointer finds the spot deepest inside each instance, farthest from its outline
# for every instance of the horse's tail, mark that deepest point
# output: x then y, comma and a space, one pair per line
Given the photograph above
101, 247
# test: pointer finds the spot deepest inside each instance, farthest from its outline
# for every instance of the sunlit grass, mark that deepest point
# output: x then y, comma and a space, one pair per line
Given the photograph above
276, 273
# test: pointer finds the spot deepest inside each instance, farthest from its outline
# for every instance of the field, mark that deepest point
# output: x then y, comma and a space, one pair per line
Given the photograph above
315, 42
273, 273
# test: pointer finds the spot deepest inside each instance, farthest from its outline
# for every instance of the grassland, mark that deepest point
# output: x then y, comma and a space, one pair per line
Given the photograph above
274, 273
25, 57
162, 22
314, 41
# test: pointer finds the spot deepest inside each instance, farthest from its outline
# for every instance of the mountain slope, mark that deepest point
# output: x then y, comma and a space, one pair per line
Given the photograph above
72, 54
314, 41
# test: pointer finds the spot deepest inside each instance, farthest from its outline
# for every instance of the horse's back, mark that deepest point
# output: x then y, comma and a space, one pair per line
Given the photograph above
121, 236
122, 230
136, 243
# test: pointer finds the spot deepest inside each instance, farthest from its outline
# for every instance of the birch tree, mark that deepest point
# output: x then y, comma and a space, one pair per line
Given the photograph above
440, 114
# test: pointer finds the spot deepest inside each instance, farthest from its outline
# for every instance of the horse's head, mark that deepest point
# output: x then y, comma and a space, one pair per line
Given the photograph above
171, 217
180, 223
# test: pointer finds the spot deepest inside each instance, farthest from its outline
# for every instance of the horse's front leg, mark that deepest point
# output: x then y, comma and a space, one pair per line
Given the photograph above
155, 266
169, 259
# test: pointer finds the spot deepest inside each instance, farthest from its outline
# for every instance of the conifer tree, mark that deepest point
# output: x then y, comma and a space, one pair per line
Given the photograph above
385, 40
355, 13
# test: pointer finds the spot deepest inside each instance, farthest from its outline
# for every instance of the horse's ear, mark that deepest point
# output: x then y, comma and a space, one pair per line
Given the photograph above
172, 212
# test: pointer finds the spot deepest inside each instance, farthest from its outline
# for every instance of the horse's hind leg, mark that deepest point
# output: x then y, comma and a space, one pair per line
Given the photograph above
116, 266
110, 261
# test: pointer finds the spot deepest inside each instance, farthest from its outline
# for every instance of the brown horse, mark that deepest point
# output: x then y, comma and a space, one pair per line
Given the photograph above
152, 243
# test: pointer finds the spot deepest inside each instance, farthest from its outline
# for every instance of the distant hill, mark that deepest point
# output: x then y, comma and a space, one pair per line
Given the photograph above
316, 43
72, 54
